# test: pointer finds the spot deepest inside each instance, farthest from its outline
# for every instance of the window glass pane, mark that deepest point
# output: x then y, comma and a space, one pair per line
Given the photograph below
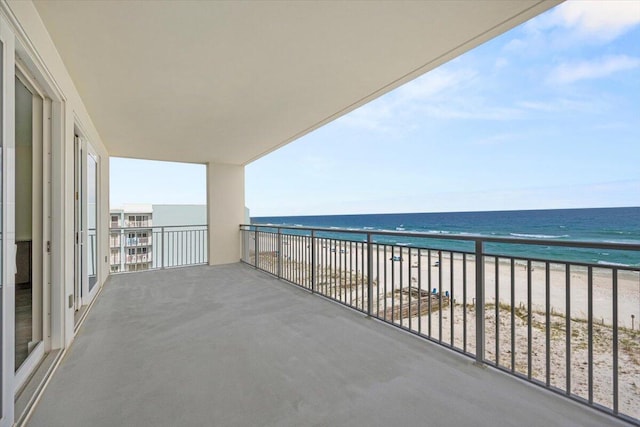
92, 219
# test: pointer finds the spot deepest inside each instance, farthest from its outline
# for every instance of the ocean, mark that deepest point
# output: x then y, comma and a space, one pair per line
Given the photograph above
610, 225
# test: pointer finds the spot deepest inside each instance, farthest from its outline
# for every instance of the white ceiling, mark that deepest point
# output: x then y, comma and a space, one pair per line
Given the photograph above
228, 82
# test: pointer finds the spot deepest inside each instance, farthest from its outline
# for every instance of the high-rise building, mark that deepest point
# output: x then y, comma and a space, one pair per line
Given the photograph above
131, 238
134, 227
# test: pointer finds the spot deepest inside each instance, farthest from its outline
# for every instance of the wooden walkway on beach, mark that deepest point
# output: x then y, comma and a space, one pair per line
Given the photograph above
415, 302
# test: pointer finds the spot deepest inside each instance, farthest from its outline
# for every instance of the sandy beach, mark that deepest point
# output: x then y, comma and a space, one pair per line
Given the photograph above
400, 275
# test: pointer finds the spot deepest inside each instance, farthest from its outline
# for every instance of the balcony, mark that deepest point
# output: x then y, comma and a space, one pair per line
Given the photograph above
138, 258
138, 224
230, 345
533, 308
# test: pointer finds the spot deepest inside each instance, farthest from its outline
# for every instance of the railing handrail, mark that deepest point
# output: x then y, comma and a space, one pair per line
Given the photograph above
458, 237
158, 227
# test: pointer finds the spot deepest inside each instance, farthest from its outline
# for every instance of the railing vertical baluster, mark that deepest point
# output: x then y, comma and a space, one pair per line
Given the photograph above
497, 308
513, 308
464, 303
369, 274
378, 280
313, 261
529, 331
451, 300
615, 339
410, 264
393, 285
479, 302
547, 291
385, 280
567, 328
363, 269
162, 248
352, 263
257, 246
440, 296
590, 331
419, 290
279, 253
401, 277
336, 267
430, 294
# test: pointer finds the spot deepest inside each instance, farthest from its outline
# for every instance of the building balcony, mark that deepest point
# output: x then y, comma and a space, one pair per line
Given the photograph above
138, 258
137, 224
137, 241
239, 347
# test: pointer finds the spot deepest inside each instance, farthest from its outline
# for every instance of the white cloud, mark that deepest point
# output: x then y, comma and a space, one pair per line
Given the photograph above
575, 23
501, 63
601, 19
433, 83
557, 105
498, 139
386, 112
371, 116
471, 110
602, 67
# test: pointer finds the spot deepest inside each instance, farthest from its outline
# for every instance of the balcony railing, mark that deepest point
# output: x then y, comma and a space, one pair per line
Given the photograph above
143, 223
560, 322
163, 247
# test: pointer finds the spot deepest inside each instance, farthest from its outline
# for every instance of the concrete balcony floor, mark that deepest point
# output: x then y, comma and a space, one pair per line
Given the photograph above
231, 346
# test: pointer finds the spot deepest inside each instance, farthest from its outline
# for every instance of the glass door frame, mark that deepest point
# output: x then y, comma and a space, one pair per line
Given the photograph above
83, 293
41, 302
16, 50
7, 279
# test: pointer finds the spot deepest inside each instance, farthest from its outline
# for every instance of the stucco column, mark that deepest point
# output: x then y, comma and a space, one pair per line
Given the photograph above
225, 211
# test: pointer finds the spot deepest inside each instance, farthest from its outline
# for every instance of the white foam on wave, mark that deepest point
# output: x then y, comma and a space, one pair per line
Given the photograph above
617, 242
439, 232
400, 229
538, 236
613, 264
368, 228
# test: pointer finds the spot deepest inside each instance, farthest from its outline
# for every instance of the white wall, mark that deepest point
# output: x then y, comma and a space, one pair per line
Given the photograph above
39, 54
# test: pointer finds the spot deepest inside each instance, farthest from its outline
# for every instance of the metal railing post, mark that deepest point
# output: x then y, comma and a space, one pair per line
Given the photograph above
255, 249
369, 275
313, 261
123, 250
279, 256
479, 302
162, 248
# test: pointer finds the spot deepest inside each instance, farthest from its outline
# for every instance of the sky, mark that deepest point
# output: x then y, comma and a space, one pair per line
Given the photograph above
544, 116
135, 181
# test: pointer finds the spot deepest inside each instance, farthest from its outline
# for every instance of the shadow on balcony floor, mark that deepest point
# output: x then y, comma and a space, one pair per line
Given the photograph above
231, 346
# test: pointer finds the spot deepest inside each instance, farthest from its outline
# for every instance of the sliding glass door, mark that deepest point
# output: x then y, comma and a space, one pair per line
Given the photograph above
3, 355
86, 172
31, 215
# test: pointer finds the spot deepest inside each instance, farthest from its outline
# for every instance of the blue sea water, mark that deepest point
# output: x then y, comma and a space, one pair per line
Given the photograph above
611, 225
